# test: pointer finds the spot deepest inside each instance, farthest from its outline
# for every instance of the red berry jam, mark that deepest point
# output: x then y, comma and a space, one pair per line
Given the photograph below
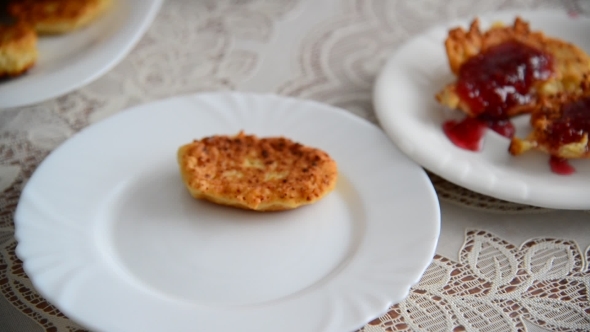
572, 125
502, 77
503, 127
466, 134
560, 166
493, 82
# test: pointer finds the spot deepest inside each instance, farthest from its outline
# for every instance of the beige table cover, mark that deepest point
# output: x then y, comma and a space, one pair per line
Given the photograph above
499, 266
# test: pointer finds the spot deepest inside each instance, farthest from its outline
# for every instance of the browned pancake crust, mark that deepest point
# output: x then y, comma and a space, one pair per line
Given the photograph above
543, 116
57, 16
263, 174
18, 49
571, 63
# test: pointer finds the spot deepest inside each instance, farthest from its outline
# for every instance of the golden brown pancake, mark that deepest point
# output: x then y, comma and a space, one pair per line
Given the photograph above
263, 174
561, 125
18, 49
57, 16
570, 63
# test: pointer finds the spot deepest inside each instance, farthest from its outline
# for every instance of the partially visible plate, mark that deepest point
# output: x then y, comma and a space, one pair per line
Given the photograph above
108, 233
406, 108
69, 61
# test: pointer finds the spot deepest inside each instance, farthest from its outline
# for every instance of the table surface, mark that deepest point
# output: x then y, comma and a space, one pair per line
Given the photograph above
329, 51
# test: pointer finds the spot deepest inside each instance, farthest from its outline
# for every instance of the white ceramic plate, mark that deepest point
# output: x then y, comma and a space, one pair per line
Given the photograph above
405, 105
108, 233
67, 62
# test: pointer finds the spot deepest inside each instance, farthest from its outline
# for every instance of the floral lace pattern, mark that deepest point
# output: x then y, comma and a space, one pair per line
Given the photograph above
496, 286
212, 45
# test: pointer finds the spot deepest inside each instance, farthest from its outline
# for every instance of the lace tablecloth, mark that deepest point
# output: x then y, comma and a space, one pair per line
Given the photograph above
498, 267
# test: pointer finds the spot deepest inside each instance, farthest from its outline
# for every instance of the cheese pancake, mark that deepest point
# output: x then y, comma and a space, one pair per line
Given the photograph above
57, 16
561, 126
569, 64
18, 49
263, 174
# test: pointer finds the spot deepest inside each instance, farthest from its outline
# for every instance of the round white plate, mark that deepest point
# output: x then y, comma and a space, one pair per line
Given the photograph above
108, 233
406, 108
67, 62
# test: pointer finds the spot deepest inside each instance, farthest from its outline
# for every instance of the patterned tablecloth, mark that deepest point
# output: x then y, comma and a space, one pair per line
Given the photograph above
499, 266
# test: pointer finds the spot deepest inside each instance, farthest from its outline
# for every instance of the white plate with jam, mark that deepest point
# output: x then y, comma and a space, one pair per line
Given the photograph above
108, 233
408, 112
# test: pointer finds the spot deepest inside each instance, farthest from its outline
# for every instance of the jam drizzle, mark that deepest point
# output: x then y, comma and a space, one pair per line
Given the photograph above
501, 78
492, 83
466, 134
561, 166
570, 127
